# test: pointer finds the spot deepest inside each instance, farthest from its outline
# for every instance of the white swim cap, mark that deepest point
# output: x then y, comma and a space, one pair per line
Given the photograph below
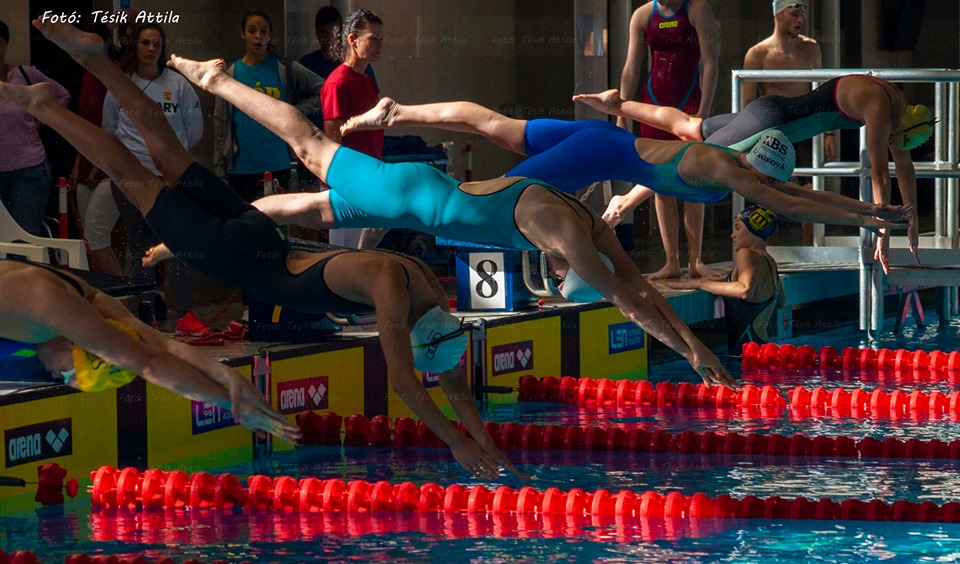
576, 289
781, 5
773, 155
438, 340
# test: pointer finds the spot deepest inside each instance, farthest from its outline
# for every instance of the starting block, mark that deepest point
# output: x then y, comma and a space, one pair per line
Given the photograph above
490, 278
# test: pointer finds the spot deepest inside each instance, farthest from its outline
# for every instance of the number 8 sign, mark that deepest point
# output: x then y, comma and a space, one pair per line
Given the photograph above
487, 281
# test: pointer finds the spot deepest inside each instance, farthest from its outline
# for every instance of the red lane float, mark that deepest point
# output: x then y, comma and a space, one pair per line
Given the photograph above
184, 527
286, 494
529, 436
28, 557
855, 403
787, 356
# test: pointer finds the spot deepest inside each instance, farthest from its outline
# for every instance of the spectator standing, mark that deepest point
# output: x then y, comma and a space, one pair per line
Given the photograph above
243, 149
25, 179
684, 42
788, 49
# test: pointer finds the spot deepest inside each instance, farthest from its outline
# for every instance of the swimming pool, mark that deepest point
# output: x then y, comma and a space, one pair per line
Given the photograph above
416, 537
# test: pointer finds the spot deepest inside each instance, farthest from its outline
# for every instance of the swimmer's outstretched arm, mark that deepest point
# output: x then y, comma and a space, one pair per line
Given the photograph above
465, 117
685, 127
392, 304
640, 303
156, 358
454, 385
884, 211
249, 407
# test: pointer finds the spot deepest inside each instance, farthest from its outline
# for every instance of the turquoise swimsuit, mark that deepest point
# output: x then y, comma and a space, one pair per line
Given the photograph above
366, 192
573, 154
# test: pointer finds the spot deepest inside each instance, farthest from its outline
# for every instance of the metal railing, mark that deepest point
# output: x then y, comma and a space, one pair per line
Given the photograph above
944, 169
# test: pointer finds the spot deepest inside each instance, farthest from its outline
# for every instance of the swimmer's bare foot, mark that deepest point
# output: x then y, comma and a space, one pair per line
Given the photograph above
608, 101
80, 45
613, 214
29, 98
699, 270
201, 73
669, 271
378, 117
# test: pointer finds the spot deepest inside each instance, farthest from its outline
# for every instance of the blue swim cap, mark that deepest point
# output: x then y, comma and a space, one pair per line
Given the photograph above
760, 221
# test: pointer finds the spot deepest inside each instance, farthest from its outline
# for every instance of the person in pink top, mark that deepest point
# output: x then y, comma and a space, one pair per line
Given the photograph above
25, 181
348, 91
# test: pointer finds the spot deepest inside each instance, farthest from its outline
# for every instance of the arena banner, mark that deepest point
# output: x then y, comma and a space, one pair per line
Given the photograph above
611, 346
324, 381
180, 430
515, 349
78, 431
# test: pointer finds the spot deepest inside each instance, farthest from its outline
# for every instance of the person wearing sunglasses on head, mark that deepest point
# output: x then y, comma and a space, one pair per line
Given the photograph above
199, 217
893, 128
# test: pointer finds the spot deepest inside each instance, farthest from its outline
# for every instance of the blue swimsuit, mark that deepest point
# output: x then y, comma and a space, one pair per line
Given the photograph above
572, 154
366, 192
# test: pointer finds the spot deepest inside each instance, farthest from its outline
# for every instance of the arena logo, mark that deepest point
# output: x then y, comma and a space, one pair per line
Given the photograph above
209, 417
306, 394
512, 357
40, 441
623, 337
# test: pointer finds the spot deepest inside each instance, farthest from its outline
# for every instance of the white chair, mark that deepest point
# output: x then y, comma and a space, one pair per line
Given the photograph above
35, 248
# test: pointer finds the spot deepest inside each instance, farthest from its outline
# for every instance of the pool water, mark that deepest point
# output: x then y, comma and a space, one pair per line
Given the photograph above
293, 537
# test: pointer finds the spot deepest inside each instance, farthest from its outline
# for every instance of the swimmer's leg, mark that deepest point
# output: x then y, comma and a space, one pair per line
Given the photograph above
168, 154
620, 206
693, 226
101, 148
313, 148
669, 221
465, 117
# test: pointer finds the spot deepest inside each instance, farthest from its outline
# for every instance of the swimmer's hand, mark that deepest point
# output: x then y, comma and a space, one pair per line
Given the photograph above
483, 460
710, 369
486, 443
877, 225
156, 255
892, 212
608, 101
253, 411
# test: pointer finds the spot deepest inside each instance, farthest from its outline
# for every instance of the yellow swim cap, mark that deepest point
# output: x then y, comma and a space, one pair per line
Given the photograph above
95, 374
915, 127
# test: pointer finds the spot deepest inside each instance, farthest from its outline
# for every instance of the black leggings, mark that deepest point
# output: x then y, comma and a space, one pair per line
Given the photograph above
799, 117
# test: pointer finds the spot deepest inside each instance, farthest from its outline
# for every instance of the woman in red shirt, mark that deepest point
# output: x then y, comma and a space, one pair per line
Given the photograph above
348, 92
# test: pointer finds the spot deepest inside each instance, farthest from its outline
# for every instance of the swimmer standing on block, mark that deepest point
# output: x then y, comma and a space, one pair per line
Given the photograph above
213, 229
92, 342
